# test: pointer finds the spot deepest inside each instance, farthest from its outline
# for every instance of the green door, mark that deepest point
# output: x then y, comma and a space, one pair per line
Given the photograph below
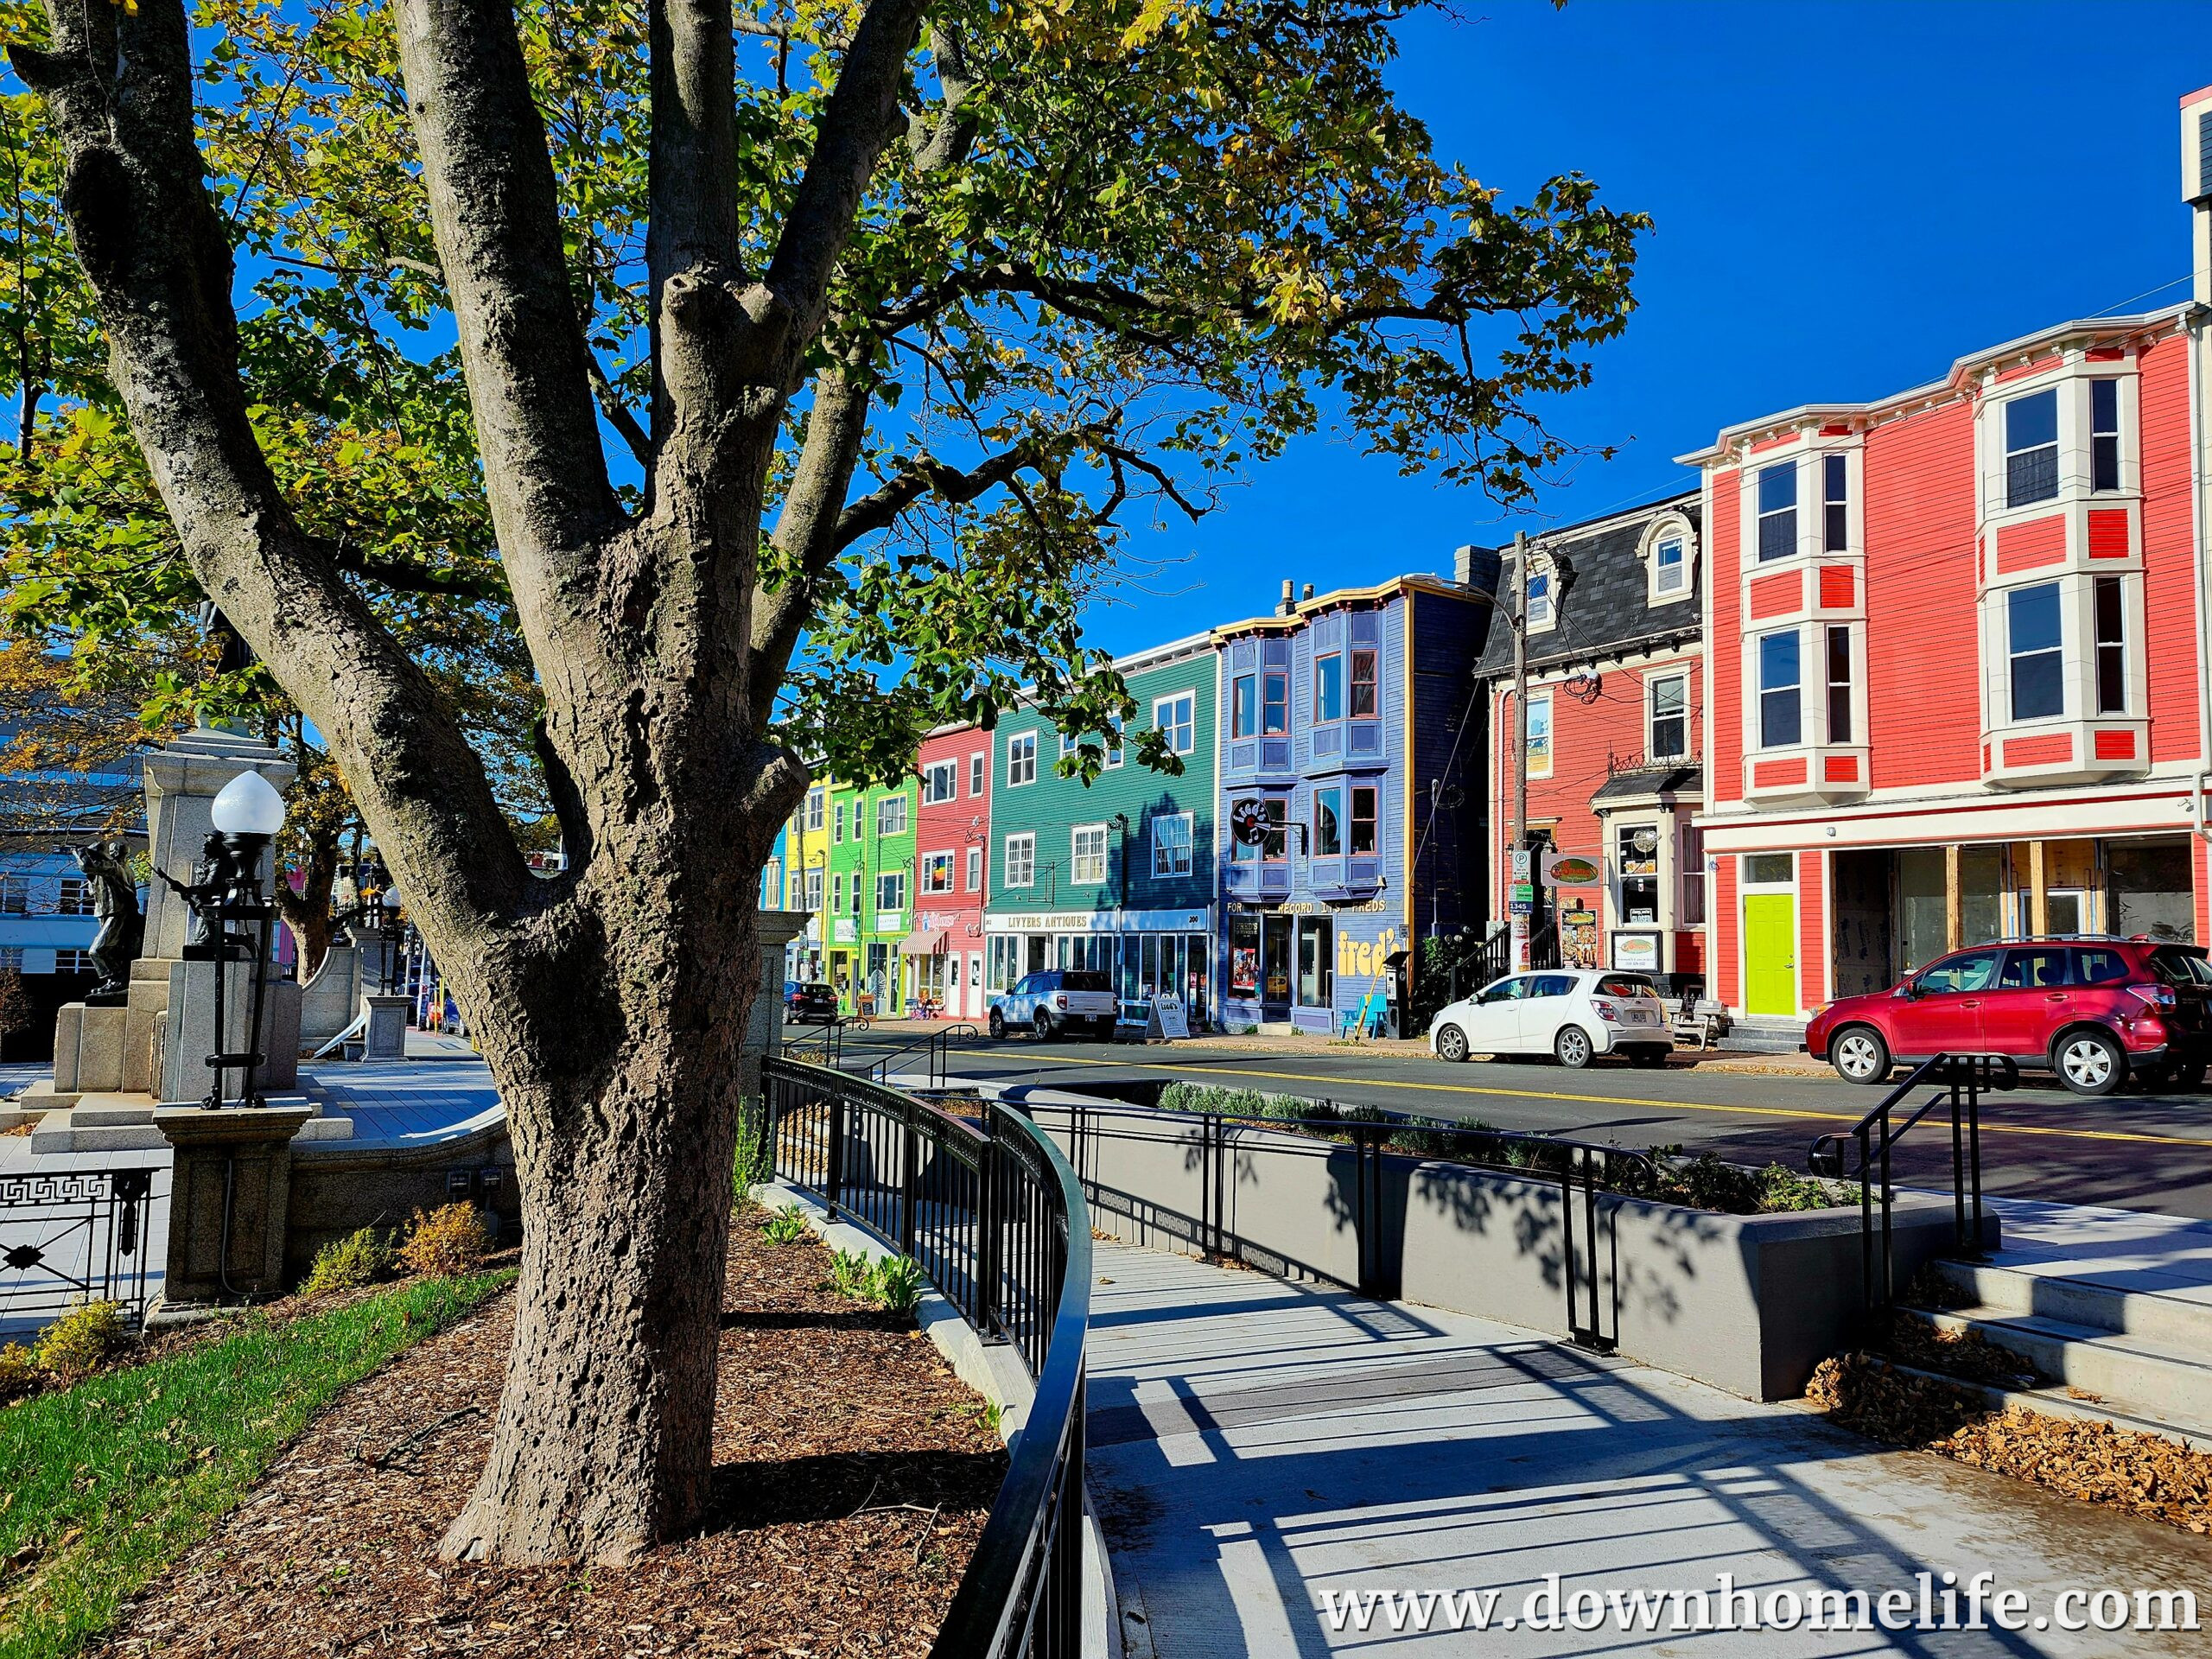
1770, 953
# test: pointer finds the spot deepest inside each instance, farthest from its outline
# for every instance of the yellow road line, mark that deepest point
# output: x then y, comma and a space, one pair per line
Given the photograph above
2134, 1136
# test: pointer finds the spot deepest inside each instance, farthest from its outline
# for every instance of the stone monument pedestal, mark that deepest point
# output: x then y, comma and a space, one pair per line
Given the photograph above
230, 1194
764, 1023
190, 1036
385, 1033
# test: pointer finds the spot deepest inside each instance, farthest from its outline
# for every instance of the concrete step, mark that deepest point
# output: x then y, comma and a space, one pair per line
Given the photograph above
2020, 1287
2057, 1403
1765, 1037
2132, 1374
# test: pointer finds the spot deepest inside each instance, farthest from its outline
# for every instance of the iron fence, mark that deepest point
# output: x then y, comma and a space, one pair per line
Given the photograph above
73, 1236
989, 1208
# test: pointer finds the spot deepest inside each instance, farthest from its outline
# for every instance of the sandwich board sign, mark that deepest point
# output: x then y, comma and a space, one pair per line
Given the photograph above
1168, 1018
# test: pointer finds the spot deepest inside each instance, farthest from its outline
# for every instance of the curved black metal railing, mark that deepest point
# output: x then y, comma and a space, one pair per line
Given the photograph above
1960, 1081
992, 1211
1588, 1171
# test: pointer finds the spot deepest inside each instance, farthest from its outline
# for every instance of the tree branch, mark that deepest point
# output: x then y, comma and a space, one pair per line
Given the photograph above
403, 575
924, 475
692, 170
118, 88
805, 534
860, 120
496, 219
617, 414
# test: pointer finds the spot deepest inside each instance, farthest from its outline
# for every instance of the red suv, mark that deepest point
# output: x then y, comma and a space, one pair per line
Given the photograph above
2093, 1011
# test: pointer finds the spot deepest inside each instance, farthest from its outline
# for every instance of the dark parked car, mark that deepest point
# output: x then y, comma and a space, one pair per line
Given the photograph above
2093, 1012
809, 1003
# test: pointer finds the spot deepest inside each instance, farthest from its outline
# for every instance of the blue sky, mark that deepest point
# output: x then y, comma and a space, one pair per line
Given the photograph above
1847, 197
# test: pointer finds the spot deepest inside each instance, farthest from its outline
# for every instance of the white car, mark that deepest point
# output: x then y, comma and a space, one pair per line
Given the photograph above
1570, 1014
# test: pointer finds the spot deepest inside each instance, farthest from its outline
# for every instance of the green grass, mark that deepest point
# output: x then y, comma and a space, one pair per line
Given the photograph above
109, 1481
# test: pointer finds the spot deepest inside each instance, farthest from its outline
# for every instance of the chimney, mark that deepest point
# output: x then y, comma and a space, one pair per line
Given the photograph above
1285, 605
1477, 566
2197, 185
1308, 594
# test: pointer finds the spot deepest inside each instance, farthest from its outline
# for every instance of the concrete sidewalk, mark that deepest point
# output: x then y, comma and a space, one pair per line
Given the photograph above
1257, 1444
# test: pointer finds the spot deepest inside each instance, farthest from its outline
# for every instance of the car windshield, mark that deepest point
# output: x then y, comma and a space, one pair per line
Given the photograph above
1083, 983
1625, 985
2178, 966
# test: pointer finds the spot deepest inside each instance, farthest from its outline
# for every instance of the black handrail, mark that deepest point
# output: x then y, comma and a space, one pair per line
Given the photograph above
1960, 1080
1583, 1169
991, 1211
936, 1049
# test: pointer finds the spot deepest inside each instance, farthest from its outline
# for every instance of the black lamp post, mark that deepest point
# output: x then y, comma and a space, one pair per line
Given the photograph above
247, 814
388, 910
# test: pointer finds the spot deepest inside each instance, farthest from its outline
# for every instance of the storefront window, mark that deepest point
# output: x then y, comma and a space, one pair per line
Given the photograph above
1275, 958
1243, 956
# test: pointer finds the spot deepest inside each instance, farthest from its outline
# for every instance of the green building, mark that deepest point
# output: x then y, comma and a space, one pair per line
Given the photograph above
1116, 875
869, 895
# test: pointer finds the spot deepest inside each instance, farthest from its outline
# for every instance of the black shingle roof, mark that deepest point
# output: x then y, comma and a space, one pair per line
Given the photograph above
1605, 606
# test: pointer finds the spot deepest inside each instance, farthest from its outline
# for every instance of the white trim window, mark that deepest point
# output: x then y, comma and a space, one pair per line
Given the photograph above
1020, 864
891, 815
975, 872
2035, 657
1176, 717
2031, 448
1087, 854
1021, 759
1539, 735
837, 892
1835, 502
940, 782
2109, 602
1667, 716
1114, 743
1778, 511
814, 800
891, 890
837, 822
1782, 700
2104, 436
936, 873
814, 889
1542, 613
1841, 692
1172, 834
979, 774
1671, 568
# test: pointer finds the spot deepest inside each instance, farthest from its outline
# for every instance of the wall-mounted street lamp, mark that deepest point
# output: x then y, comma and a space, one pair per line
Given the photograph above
247, 814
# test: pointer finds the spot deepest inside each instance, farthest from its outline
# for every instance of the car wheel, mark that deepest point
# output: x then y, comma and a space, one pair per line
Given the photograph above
2089, 1062
1859, 1055
1452, 1044
1044, 1027
998, 1026
1571, 1047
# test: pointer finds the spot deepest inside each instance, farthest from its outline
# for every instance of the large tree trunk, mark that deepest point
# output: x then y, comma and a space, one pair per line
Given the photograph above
603, 1444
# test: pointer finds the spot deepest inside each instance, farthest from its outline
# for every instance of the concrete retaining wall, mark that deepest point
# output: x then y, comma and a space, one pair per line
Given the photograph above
1748, 1303
338, 1188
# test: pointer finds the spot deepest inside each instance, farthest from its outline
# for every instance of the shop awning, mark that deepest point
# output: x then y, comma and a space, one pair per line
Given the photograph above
922, 943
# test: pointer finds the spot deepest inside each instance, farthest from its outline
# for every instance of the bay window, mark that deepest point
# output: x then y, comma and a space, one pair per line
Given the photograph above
1835, 515
2031, 448
1782, 718
1839, 666
2112, 644
1243, 706
2104, 435
1328, 688
1363, 704
2034, 664
1275, 702
1328, 821
1778, 511
1363, 818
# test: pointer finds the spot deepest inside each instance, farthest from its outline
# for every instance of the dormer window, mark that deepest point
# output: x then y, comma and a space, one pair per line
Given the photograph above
1539, 600
1778, 511
1667, 547
2031, 448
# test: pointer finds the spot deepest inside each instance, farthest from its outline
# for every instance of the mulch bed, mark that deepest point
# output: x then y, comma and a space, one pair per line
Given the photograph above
2094, 1462
853, 1472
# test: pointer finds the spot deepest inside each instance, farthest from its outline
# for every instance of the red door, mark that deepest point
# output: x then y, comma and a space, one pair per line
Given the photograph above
1944, 1017
2034, 992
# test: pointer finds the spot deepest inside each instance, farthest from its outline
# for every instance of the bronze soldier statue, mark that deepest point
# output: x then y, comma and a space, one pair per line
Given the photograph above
106, 866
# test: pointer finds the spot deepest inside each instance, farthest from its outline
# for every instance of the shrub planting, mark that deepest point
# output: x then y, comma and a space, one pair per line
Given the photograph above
450, 1239
349, 1264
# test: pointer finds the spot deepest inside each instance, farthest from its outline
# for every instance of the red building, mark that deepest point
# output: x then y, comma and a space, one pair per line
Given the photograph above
1958, 665
1616, 706
953, 831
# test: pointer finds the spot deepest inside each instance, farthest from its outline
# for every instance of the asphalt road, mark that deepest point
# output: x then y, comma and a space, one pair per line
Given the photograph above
2133, 1150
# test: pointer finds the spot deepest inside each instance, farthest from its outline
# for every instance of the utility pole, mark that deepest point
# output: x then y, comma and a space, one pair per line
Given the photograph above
1519, 871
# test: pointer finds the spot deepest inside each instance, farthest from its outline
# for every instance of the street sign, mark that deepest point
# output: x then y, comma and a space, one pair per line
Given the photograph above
1524, 893
1521, 863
